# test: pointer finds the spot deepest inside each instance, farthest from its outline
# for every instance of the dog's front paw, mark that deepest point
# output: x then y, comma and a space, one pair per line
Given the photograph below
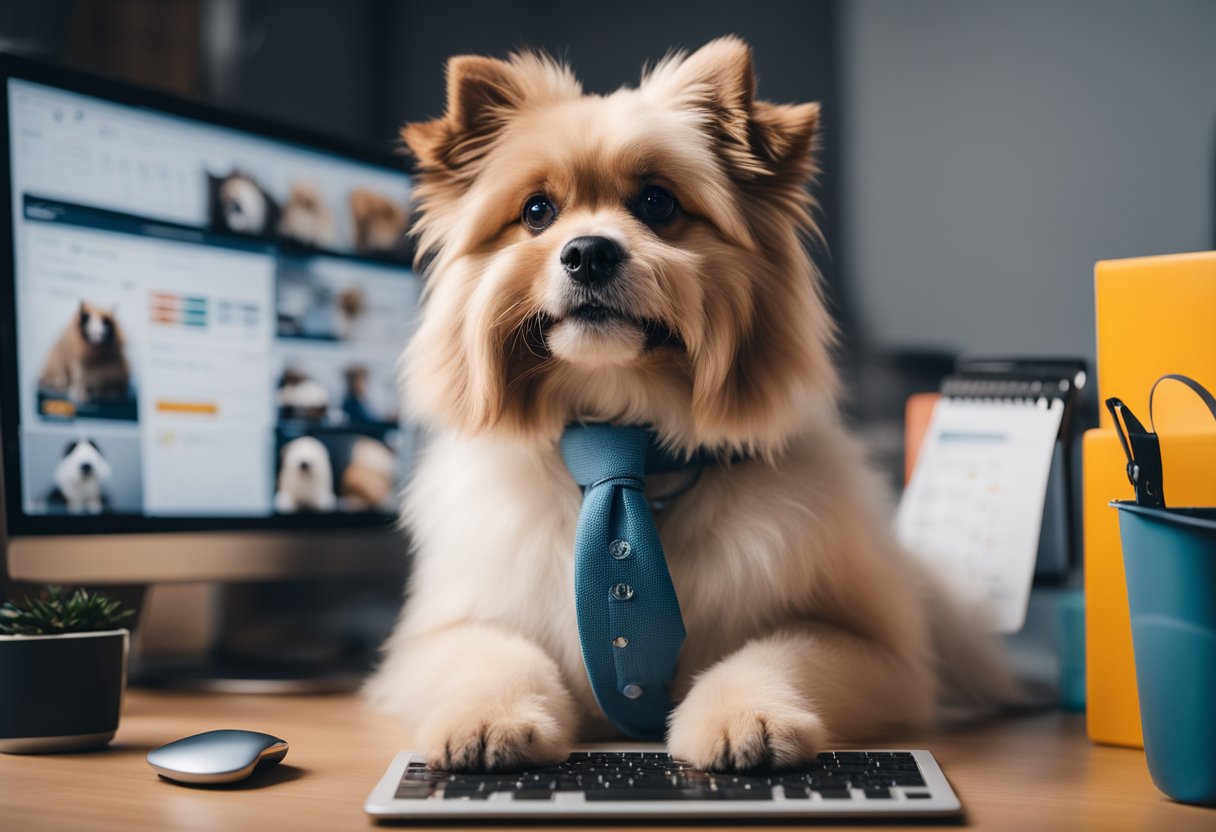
724, 724
477, 735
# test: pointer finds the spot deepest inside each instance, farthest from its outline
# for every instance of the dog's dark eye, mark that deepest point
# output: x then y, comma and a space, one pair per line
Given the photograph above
539, 212
656, 205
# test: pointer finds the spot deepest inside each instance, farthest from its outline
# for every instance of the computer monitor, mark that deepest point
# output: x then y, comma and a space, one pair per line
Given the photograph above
199, 327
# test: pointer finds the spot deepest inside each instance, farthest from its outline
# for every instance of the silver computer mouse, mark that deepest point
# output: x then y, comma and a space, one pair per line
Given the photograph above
217, 756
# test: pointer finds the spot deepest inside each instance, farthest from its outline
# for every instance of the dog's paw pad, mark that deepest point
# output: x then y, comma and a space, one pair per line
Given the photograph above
731, 736
493, 739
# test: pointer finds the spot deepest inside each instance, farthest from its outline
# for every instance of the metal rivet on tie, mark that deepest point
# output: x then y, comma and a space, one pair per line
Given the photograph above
632, 691
620, 641
622, 592
620, 549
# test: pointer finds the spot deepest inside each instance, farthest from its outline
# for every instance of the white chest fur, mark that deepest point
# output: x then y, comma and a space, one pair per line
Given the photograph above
493, 526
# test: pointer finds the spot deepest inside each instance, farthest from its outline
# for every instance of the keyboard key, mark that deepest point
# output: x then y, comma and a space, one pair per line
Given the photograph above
882, 793
748, 781
643, 794
917, 795
533, 794
824, 782
676, 794
835, 794
796, 792
729, 792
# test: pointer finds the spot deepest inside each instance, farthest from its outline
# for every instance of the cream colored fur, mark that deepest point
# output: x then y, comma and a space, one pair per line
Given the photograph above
807, 625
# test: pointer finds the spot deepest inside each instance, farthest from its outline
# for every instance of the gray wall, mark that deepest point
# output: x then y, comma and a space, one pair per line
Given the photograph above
995, 150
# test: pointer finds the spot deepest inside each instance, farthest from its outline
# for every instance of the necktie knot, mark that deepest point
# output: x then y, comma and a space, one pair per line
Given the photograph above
599, 453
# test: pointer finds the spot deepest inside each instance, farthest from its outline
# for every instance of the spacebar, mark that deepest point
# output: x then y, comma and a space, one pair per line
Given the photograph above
674, 794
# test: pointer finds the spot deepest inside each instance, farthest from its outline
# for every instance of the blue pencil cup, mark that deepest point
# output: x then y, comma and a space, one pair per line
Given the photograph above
1170, 559
1169, 555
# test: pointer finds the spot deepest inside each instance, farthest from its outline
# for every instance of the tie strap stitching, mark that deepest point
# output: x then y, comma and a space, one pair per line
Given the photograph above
636, 483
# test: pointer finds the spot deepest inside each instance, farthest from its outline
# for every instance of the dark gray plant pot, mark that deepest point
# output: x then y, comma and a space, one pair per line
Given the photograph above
61, 693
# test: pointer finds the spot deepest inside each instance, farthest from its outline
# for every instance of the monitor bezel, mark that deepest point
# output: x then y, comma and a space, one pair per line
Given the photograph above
16, 521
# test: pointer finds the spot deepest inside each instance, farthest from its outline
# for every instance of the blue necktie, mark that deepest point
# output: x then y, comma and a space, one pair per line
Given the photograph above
629, 620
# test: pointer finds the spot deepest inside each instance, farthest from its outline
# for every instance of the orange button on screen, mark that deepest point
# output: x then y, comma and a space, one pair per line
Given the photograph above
199, 408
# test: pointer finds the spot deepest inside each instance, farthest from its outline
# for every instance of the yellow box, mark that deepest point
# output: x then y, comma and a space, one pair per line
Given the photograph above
1155, 315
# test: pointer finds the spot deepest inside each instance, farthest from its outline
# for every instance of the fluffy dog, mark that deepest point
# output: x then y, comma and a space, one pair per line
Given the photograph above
306, 218
380, 223
368, 480
306, 478
240, 205
88, 363
80, 479
350, 305
301, 397
703, 318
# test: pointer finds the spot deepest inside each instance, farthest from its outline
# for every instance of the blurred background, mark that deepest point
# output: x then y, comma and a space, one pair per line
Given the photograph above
979, 156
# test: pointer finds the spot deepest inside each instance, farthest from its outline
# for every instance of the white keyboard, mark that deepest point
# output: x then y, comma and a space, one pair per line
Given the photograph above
613, 783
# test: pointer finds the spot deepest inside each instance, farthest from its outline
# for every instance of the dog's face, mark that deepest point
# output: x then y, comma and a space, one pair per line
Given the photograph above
97, 326
82, 462
380, 223
306, 467
243, 207
306, 199
305, 216
631, 257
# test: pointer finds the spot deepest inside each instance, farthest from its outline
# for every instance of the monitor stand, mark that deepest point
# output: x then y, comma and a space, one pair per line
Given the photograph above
284, 638
222, 672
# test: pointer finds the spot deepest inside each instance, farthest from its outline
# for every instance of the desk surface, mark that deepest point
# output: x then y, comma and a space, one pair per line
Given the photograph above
1027, 773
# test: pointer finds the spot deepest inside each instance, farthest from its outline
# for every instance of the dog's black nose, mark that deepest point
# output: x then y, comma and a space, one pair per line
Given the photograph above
86, 468
305, 465
591, 260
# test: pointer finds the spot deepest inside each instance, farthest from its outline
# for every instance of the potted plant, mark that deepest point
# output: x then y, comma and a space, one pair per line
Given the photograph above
63, 670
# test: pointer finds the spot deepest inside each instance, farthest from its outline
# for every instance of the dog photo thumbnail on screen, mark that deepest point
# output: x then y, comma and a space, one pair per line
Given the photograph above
208, 321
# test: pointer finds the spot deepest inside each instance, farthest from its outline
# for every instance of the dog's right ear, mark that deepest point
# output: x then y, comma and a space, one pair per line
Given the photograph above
482, 92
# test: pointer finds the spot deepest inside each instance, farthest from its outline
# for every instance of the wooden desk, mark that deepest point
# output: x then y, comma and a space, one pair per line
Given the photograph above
1035, 773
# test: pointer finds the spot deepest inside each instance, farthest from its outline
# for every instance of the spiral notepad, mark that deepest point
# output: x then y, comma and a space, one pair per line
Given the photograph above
973, 507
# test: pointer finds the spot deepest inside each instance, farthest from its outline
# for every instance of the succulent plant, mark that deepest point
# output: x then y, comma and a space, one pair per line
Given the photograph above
61, 611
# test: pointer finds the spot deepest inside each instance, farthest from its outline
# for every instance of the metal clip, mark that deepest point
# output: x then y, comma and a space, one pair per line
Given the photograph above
1143, 452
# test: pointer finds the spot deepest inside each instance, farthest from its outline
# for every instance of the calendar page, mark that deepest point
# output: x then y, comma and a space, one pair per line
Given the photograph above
973, 507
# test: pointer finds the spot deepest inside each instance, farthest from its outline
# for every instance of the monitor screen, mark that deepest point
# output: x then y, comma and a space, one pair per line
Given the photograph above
207, 321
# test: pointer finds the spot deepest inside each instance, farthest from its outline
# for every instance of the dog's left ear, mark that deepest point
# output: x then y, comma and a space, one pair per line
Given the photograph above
759, 138
784, 134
